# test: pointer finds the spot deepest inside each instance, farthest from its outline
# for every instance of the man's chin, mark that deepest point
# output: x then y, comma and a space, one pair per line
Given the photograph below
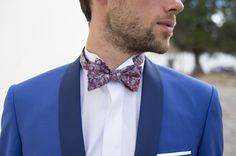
161, 48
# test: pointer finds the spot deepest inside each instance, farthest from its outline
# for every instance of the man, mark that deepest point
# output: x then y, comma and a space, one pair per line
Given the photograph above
113, 101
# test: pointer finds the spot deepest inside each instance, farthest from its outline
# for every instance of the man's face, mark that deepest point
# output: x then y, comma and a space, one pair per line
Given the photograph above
137, 26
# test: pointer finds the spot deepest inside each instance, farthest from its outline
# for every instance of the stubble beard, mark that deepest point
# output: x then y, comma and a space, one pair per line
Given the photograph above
128, 34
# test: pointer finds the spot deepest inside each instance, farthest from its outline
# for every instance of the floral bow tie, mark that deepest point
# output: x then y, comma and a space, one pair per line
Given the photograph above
99, 73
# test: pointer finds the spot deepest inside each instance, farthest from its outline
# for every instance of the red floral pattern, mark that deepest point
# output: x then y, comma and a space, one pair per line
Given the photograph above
99, 73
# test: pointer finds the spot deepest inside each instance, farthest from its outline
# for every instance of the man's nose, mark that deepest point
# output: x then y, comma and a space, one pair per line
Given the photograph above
174, 6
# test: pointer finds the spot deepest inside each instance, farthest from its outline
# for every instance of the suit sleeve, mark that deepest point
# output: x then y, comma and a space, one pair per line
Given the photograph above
10, 143
212, 139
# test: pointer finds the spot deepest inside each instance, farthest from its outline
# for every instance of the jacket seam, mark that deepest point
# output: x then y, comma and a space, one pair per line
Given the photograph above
14, 111
207, 115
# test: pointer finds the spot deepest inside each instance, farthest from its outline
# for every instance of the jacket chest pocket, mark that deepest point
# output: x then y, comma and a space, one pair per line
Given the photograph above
180, 153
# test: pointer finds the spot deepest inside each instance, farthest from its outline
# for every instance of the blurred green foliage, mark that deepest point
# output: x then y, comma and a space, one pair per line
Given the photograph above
206, 26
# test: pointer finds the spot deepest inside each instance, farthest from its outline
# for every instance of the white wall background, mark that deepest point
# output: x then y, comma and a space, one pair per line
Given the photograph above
37, 35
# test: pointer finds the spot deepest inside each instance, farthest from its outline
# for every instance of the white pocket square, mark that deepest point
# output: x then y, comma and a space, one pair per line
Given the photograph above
175, 153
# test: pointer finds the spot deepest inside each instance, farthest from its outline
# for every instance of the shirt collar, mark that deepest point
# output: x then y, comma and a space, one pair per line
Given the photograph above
92, 57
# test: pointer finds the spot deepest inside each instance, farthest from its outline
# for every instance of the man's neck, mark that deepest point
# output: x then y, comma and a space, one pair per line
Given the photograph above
113, 57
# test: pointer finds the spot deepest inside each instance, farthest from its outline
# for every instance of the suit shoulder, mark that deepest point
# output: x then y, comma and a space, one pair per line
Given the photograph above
197, 92
46, 79
179, 79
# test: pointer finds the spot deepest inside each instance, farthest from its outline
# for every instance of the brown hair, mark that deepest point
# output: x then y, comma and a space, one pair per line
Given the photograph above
86, 8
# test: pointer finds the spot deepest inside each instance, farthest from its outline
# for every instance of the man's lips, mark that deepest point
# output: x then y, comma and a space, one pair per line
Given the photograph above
167, 25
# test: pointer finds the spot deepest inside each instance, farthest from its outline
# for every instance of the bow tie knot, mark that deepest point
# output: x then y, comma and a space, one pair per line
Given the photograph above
99, 73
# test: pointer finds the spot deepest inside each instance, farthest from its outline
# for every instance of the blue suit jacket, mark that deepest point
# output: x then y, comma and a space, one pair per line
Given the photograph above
42, 116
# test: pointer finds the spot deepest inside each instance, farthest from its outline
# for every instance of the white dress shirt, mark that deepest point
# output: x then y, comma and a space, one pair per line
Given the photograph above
109, 116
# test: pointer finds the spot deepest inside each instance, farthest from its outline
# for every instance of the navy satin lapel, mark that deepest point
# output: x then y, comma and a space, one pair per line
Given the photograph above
150, 118
70, 122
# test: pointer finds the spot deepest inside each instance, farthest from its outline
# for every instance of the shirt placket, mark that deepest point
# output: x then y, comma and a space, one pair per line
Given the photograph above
112, 135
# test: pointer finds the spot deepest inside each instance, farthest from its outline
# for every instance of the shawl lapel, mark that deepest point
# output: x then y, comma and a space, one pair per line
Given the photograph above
150, 112
70, 122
